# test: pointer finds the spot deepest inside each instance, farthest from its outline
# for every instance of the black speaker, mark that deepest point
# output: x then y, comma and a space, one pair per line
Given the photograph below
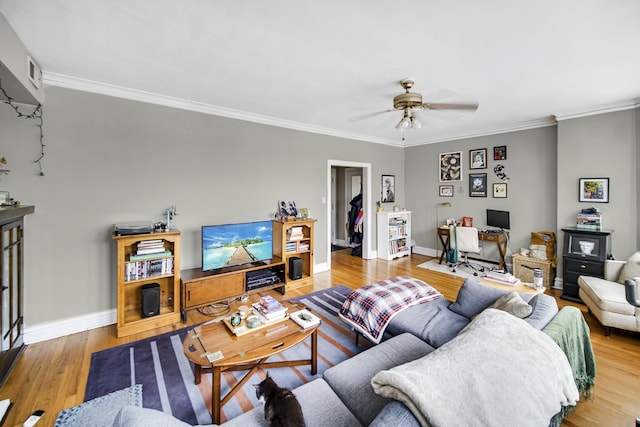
150, 300
295, 268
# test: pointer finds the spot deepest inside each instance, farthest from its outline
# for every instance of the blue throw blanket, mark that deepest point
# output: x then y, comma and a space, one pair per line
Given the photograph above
370, 309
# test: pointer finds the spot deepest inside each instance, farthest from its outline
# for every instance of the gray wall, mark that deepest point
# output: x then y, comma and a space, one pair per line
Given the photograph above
531, 189
111, 160
602, 146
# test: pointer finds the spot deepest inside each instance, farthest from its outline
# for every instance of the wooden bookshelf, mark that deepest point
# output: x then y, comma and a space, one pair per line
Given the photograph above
133, 274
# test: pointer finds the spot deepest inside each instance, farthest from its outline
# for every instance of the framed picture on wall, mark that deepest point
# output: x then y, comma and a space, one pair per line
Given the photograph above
500, 152
446, 191
593, 190
451, 166
500, 190
477, 185
478, 159
388, 189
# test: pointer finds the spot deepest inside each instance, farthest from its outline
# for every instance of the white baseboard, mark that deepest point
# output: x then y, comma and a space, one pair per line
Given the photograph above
557, 283
60, 328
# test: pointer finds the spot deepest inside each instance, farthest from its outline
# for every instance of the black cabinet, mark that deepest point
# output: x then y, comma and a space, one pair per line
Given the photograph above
11, 278
584, 253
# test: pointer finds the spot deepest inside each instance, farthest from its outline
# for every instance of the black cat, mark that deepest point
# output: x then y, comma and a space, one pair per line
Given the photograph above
281, 408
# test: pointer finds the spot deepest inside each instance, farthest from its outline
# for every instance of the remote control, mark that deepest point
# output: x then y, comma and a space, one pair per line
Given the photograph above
33, 419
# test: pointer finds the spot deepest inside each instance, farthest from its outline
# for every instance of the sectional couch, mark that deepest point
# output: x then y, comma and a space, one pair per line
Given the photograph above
344, 396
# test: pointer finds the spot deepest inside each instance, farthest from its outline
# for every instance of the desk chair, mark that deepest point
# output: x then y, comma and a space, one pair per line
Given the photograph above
466, 240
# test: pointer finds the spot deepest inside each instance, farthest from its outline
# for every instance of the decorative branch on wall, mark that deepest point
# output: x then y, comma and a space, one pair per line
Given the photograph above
35, 115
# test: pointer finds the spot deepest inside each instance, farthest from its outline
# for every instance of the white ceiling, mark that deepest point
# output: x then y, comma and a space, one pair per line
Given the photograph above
321, 66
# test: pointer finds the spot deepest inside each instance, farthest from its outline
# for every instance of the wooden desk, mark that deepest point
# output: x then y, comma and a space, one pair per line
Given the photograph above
501, 240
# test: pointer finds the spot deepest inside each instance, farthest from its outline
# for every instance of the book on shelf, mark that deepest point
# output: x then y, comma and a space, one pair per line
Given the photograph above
138, 270
503, 278
305, 318
141, 257
295, 233
150, 243
150, 250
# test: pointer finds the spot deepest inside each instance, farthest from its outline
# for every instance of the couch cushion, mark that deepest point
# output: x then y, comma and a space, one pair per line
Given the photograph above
631, 269
135, 416
474, 297
351, 379
608, 296
513, 304
432, 322
320, 406
545, 308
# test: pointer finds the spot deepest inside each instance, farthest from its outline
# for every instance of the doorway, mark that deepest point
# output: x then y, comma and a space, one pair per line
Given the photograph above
343, 179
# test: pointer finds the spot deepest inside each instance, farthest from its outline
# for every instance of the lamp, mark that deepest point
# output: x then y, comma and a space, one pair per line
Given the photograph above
445, 204
408, 121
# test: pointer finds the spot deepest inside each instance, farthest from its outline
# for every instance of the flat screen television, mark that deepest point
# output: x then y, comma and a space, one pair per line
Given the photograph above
498, 219
227, 245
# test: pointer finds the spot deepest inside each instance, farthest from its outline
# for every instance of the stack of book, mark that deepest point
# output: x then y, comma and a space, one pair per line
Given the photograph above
502, 278
269, 309
589, 221
149, 249
291, 247
295, 233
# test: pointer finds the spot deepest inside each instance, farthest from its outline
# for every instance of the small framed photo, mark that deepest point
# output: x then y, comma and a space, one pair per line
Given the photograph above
478, 159
477, 185
388, 189
4, 198
500, 153
450, 166
593, 190
446, 191
500, 190
304, 213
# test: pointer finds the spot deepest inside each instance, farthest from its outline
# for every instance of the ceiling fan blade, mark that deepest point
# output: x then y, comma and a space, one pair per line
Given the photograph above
368, 115
450, 106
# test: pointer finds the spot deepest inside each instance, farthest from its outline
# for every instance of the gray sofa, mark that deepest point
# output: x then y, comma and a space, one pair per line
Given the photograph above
344, 395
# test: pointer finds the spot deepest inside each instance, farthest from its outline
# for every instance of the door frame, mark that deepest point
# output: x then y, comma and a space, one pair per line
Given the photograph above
367, 239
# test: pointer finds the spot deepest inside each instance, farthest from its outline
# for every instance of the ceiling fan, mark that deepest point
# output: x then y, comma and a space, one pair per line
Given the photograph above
409, 102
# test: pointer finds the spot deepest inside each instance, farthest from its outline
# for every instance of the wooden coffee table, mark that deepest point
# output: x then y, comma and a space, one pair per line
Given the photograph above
248, 352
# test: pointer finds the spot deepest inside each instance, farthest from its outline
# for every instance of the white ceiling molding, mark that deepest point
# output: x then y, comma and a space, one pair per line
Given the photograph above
60, 80
627, 105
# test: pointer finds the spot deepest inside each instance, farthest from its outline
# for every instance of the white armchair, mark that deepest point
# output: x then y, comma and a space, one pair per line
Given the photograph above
606, 299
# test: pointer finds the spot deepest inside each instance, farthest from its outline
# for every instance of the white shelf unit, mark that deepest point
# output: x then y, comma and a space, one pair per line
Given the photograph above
394, 234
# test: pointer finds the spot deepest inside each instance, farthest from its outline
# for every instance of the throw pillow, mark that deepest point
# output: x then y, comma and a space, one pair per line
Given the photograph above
631, 269
474, 297
513, 304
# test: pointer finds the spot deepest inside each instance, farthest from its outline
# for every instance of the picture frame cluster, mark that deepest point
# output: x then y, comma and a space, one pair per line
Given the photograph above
451, 170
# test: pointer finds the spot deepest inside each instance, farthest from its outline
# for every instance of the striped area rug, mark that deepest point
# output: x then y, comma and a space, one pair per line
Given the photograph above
166, 375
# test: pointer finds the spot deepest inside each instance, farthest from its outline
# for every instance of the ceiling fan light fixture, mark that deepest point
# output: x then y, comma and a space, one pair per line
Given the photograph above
415, 123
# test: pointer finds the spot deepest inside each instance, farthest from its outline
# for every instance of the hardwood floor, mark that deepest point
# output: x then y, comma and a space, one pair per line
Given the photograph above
52, 375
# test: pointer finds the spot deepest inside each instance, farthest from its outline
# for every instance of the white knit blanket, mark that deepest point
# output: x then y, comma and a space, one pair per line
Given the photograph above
499, 371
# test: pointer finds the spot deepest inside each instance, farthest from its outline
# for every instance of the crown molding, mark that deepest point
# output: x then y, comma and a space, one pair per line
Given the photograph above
511, 127
61, 80
69, 82
611, 108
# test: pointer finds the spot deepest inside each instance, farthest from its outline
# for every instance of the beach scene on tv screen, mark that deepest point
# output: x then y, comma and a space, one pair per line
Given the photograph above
235, 244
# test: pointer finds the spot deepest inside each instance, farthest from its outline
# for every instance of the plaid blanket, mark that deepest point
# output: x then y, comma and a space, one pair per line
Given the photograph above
370, 309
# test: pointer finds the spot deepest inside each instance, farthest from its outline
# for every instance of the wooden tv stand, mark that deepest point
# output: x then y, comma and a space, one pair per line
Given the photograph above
200, 288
